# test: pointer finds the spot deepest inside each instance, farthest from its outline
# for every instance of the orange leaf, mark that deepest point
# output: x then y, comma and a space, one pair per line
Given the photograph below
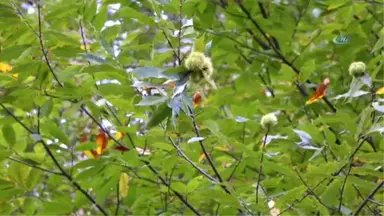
172, 84
202, 157
196, 99
102, 141
320, 91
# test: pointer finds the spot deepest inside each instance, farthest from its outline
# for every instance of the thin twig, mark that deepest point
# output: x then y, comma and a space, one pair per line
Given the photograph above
183, 155
175, 192
280, 55
179, 33
373, 192
170, 45
361, 196
261, 166
35, 166
197, 131
343, 186
25, 19
102, 128
301, 199
42, 45
57, 164
210, 161
311, 192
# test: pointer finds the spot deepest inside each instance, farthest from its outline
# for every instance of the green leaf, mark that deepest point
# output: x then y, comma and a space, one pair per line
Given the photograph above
152, 100
9, 134
128, 12
90, 11
55, 131
57, 208
306, 71
4, 154
100, 18
379, 44
162, 112
12, 52
86, 146
93, 58
47, 108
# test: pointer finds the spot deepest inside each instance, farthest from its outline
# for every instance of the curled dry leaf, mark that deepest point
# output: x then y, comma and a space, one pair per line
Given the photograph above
102, 142
320, 91
196, 99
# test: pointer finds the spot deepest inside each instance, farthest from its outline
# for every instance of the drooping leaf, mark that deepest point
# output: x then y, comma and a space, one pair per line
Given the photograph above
161, 113
349, 94
306, 140
273, 137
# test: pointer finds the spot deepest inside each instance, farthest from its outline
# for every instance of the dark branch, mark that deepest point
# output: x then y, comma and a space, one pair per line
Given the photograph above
42, 45
57, 164
373, 192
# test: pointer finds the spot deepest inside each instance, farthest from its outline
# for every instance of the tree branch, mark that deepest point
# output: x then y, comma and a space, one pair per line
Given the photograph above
311, 191
280, 55
302, 198
343, 186
57, 164
40, 36
373, 192
210, 161
183, 155
179, 33
175, 192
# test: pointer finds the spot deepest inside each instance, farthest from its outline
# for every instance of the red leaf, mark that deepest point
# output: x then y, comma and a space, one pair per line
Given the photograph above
83, 139
121, 148
320, 91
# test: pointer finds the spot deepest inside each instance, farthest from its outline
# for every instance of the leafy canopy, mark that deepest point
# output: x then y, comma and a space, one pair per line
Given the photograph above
100, 114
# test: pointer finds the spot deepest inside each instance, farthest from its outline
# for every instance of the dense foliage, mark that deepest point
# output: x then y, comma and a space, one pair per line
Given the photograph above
191, 107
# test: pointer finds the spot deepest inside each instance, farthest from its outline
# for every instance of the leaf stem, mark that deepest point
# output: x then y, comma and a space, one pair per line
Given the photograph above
261, 166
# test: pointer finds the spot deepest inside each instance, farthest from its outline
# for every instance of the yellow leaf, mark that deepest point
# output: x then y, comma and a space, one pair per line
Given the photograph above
88, 153
4, 67
123, 185
380, 90
119, 135
202, 157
